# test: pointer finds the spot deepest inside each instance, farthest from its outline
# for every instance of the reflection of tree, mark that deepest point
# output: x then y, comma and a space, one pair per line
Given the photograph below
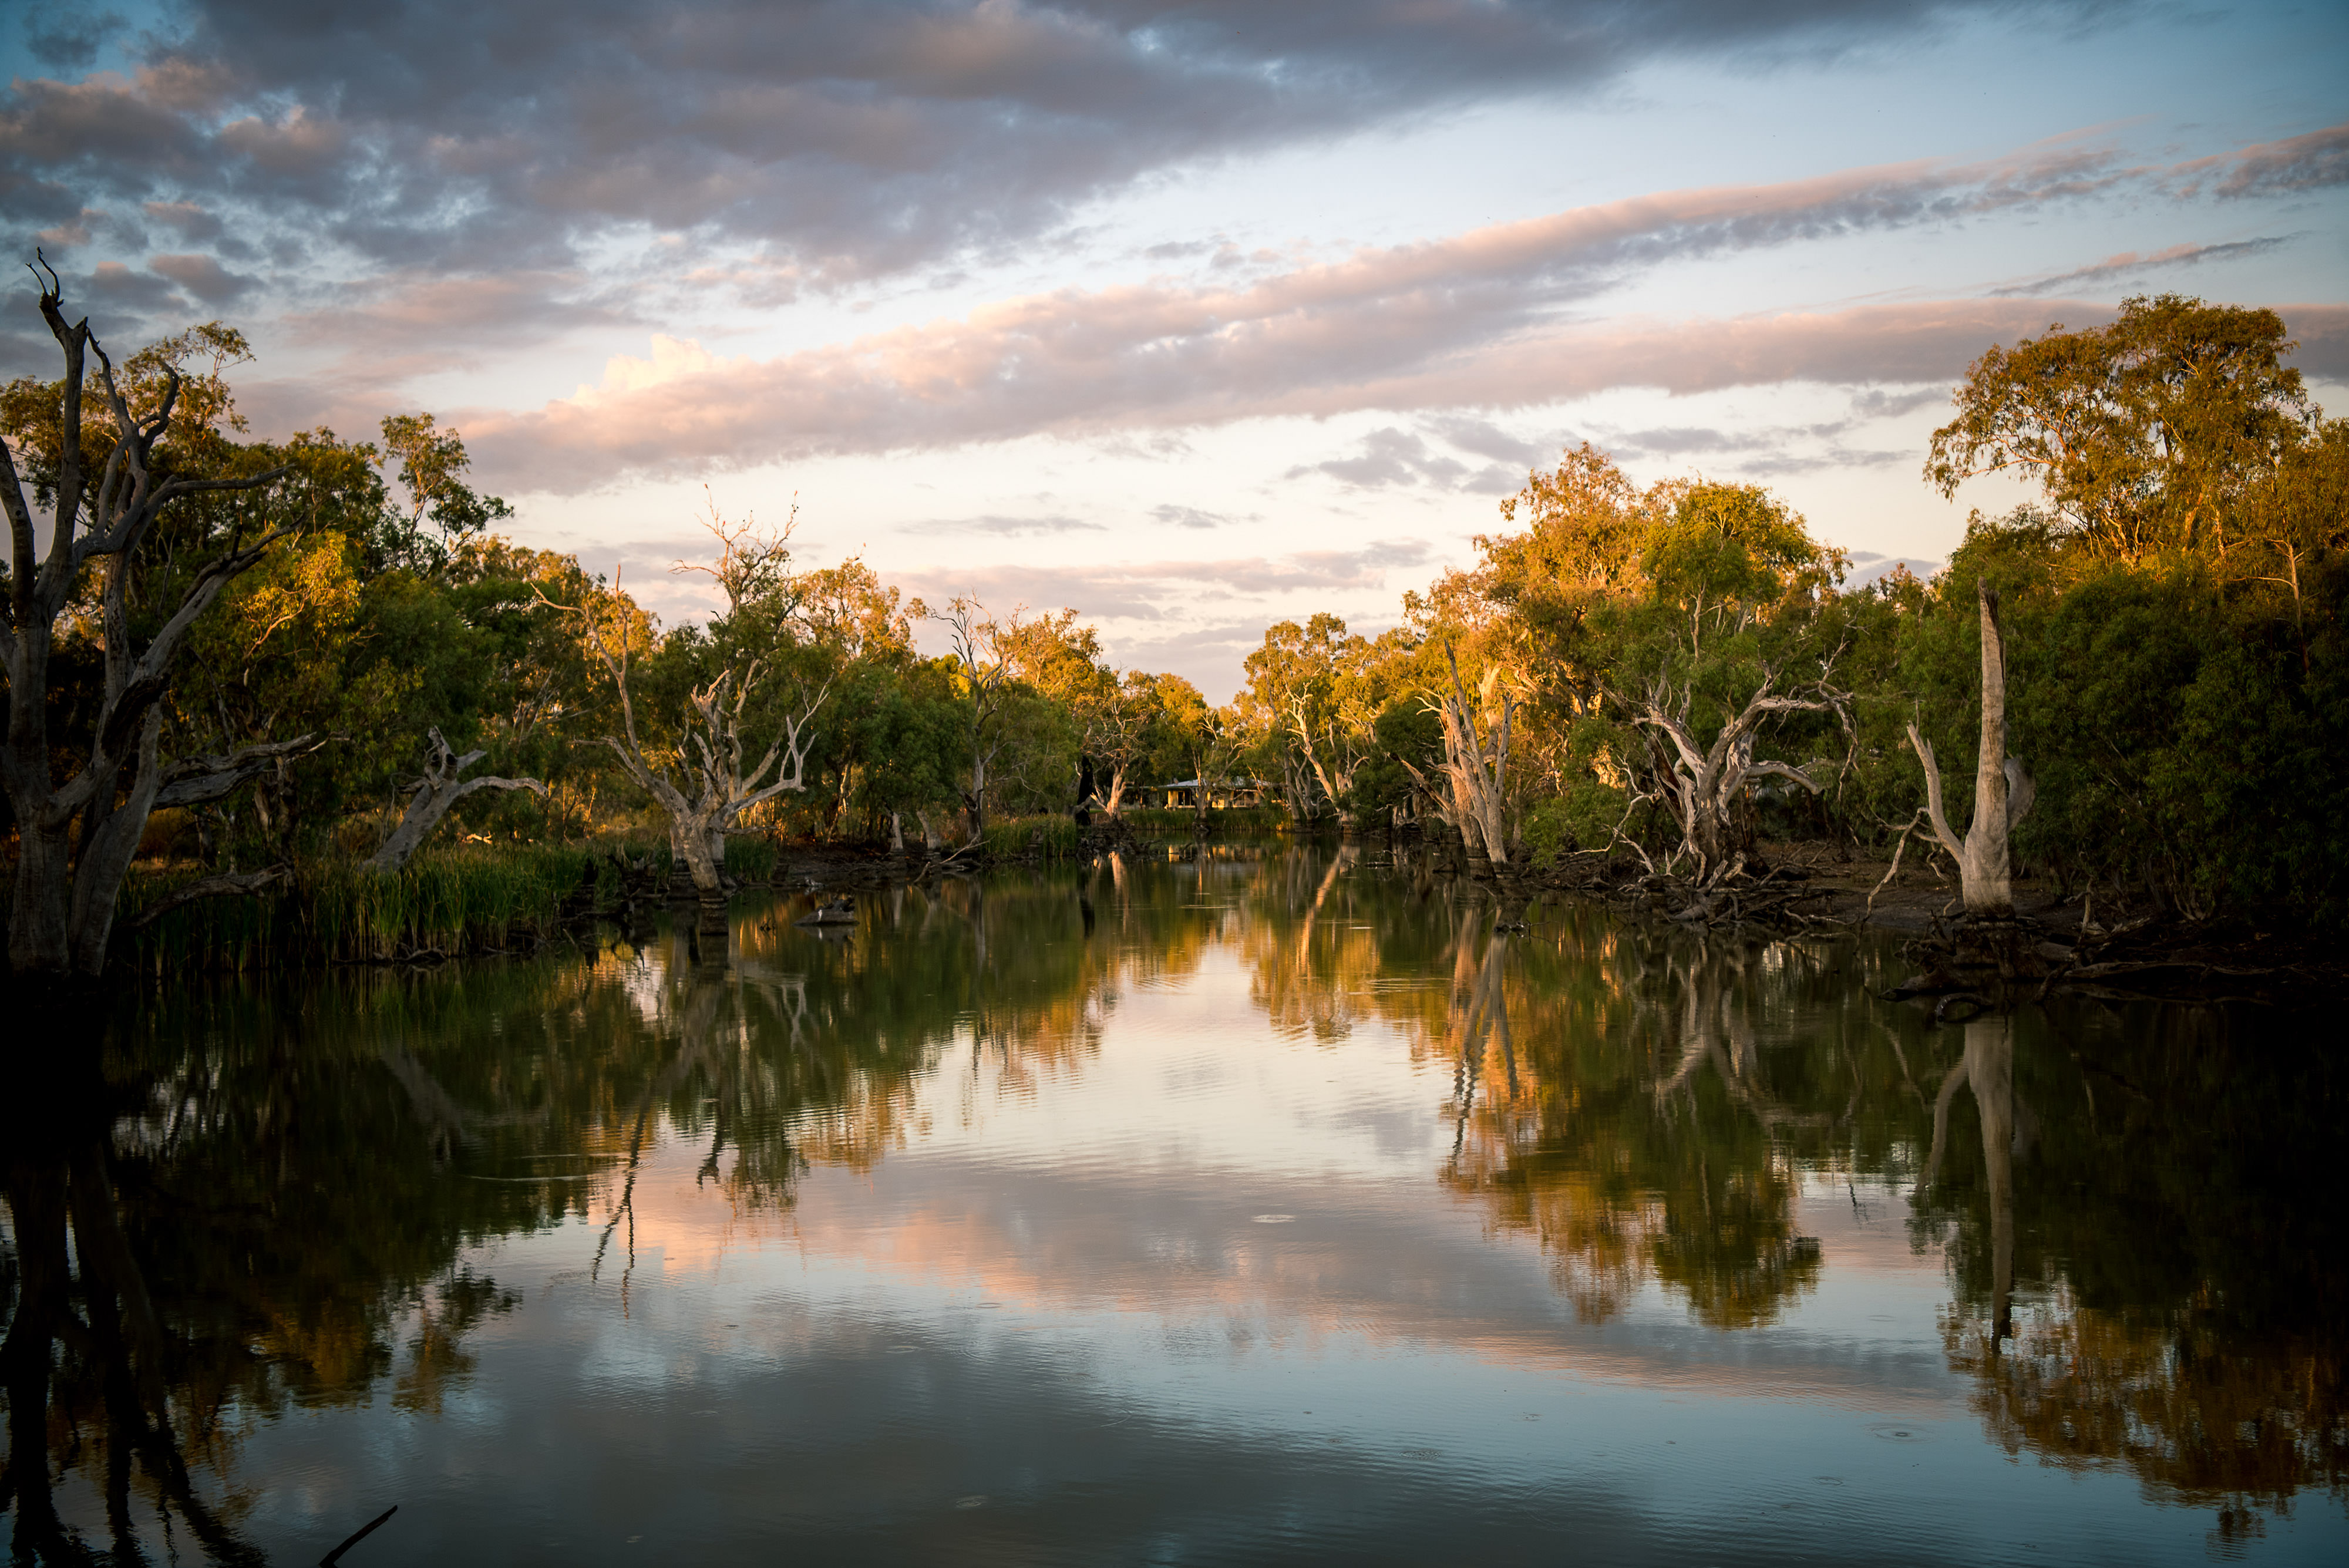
2141, 1279
88, 1349
1627, 1163
2153, 1288
266, 1206
1311, 962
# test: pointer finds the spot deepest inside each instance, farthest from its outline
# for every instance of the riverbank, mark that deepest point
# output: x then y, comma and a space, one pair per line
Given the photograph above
2087, 942
498, 900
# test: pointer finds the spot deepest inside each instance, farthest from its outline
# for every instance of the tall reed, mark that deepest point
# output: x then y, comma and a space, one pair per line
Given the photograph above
455, 901
1052, 837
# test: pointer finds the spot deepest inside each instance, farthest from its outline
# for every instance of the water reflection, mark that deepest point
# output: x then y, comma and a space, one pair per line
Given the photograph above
266, 1201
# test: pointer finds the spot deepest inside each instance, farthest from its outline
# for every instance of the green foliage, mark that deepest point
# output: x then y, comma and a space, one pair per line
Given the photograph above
1055, 837
2179, 671
455, 900
1407, 731
2145, 434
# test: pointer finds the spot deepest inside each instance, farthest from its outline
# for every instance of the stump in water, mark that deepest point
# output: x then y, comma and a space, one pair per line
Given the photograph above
712, 935
1989, 957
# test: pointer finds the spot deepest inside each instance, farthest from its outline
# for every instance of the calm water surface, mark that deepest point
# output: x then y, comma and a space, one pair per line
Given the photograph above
1265, 1208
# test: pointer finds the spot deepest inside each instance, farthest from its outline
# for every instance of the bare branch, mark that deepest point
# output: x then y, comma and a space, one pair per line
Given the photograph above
191, 781
209, 887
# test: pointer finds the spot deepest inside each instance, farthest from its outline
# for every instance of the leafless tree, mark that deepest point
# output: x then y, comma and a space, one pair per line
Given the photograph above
435, 792
1706, 782
2003, 790
713, 786
76, 835
979, 650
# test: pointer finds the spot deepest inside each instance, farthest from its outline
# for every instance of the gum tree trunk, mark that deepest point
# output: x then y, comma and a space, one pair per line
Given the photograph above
2003, 789
435, 794
77, 836
1707, 782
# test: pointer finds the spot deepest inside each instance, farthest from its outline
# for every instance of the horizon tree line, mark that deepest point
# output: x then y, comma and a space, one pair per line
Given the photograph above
240, 658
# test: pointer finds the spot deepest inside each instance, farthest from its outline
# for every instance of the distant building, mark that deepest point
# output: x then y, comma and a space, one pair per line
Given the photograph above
1183, 795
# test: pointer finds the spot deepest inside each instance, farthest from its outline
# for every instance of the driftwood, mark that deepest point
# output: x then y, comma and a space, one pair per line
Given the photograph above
355, 1536
193, 781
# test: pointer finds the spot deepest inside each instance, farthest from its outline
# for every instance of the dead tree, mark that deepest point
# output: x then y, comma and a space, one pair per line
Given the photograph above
1706, 783
77, 836
978, 653
2003, 790
1476, 767
435, 794
712, 787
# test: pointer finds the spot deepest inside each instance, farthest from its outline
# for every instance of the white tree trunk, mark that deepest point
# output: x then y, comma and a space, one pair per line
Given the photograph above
435, 794
1985, 878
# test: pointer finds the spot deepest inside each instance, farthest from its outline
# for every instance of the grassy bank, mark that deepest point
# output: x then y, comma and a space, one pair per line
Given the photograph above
1055, 837
466, 899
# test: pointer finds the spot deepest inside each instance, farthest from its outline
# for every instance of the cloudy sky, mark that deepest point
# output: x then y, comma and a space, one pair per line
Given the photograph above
1191, 317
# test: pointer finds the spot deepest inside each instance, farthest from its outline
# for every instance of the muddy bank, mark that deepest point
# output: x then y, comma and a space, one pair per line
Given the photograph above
2081, 942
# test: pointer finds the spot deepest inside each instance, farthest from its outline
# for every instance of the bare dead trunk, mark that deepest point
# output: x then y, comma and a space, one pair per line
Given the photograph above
1984, 855
1706, 784
436, 792
714, 768
1990, 1068
1478, 769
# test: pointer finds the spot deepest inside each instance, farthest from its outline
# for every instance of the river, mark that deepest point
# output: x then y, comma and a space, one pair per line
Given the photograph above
1266, 1206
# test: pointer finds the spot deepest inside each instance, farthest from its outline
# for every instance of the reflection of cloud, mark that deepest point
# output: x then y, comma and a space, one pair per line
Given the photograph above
1182, 1244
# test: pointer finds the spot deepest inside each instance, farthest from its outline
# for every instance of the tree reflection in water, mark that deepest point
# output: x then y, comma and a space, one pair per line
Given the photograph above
2147, 1274
261, 1197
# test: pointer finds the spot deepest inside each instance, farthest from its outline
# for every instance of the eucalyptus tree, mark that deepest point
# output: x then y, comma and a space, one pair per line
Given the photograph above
697, 767
1725, 647
1474, 795
1316, 691
2146, 435
984, 672
85, 600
